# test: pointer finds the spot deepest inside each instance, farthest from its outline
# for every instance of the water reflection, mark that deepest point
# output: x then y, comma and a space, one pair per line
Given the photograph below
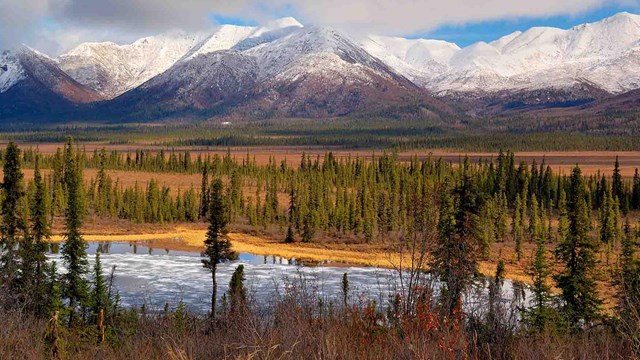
152, 276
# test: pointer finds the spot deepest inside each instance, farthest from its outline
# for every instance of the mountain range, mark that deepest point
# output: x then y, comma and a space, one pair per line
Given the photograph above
285, 69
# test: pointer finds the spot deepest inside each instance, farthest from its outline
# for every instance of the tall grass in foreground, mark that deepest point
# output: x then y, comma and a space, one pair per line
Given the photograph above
300, 326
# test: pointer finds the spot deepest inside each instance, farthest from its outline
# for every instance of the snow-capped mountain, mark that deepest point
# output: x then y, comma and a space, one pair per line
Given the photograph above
286, 69
32, 83
206, 82
309, 72
112, 69
420, 60
318, 71
603, 54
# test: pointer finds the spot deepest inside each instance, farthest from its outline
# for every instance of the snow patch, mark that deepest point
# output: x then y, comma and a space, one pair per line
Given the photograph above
11, 72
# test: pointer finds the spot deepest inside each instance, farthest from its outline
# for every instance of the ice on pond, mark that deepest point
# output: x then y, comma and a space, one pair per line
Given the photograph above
154, 277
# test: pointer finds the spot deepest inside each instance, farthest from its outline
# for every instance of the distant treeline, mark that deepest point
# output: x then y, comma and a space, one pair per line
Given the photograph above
486, 134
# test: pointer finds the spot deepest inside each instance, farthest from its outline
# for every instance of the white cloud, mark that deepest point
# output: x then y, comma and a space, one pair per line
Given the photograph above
55, 25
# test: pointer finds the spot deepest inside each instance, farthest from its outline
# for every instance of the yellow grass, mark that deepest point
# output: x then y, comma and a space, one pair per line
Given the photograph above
185, 238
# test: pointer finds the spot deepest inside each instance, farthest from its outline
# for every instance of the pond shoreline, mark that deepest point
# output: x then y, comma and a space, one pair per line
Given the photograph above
186, 239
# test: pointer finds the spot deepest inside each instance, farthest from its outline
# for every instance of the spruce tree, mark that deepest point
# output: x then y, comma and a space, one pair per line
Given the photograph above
308, 227
345, 289
204, 192
217, 245
74, 249
444, 255
40, 230
454, 256
563, 217
100, 294
635, 194
237, 290
495, 294
290, 238
608, 218
628, 284
540, 312
578, 252
618, 189
13, 226
517, 228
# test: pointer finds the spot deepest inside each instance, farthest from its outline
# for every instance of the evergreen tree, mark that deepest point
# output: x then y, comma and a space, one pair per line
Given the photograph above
237, 291
534, 218
103, 197
617, 188
445, 253
635, 194
495, 295
345, 289
308, 227
608, 219
204, 192
74, 250
217, 245
100, 294
13, 226
501, 216
563, 217
629, 284
40, 230
517, 227
486, 227
454, 256
540, 312
54, 302
290, 238
578, 253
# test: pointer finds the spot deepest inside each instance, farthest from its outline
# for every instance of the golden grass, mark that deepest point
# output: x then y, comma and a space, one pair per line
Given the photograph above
190, 237
186, 238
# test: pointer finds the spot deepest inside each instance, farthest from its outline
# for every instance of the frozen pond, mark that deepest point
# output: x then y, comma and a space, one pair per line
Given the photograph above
154, 276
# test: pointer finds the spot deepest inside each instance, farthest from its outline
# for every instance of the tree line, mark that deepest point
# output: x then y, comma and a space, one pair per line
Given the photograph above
449, 214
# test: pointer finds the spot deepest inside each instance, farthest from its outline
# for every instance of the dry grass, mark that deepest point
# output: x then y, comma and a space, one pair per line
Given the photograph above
191, 237
591, 162
175, 181
329, 249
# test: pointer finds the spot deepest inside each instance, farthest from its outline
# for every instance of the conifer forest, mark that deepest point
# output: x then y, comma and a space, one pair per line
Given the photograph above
573, 236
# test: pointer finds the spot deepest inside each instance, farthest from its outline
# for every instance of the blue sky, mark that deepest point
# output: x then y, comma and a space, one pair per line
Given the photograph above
467, 34
56, 26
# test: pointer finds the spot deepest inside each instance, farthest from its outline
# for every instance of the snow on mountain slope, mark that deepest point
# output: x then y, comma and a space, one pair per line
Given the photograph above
37, 67
599, 53
223, 38
113, 69
33, 85
310, 72
602, 54
320, 72
11, 71
207, 82
419, 60
333, 51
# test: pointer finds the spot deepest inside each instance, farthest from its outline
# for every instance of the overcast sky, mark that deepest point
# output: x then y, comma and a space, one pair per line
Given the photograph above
54, 26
